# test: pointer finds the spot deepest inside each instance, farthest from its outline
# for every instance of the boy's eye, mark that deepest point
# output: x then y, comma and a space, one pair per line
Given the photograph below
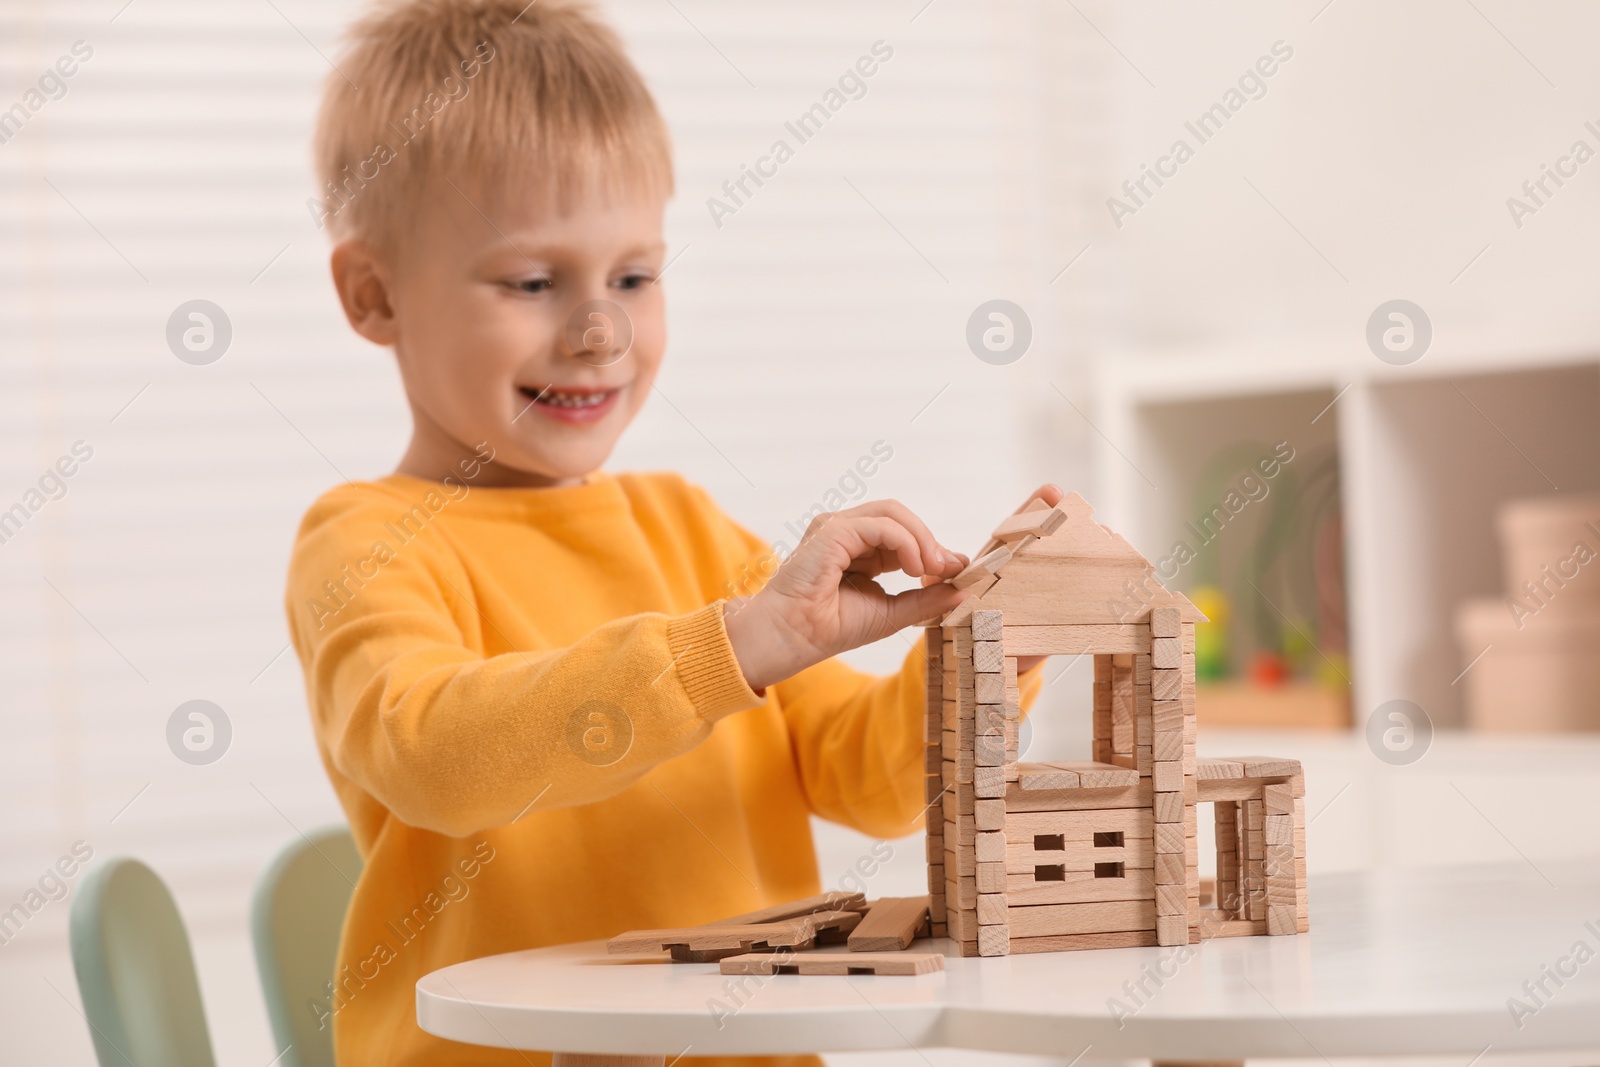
637, 280
531, 285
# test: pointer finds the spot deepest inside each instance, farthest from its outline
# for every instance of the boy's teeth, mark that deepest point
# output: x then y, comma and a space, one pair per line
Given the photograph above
573, 400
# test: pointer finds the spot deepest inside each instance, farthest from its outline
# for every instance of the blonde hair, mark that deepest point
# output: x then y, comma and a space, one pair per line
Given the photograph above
469, 89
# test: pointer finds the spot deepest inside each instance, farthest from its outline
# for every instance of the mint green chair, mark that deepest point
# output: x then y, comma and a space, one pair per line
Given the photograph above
295, 919
136, 972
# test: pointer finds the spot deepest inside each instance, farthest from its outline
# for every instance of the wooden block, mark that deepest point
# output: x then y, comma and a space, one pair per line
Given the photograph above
1048, 920
1077, 639
941, 930
1095, 816
1268, 766
1166, 684
1168, 746
985, 625
1172, 930
1167, 776
989, 749
1141, 670
1281, 919
1166, 622
1169, 869
990, 847
1216, 769
834, 901
1166, 716
1030, 523
1279, 799
985, 566
1045, 776
1144, 759
994, 941
1218, 925
1169, 807
961, 636
1166, 653
991, 909
834, 963
891, 924
1080, 887
1102, 668
1124, 659
704, 944
962, 895
1172, 900
988, 782
989, 814
989, 688
1254, 815
1073, 942
1278, 866
988, 657
990, 718
1047, 800
991, 878
1279, 830
1169, 837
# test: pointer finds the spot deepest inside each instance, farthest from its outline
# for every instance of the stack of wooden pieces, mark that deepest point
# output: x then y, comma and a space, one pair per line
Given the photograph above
777, 940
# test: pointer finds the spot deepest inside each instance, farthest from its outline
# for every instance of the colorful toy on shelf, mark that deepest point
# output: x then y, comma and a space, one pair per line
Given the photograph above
1042, 857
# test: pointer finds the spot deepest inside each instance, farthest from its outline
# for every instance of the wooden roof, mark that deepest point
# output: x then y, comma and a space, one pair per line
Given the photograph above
1079, 573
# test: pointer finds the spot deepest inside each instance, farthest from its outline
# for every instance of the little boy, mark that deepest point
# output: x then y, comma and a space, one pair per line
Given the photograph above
542, 720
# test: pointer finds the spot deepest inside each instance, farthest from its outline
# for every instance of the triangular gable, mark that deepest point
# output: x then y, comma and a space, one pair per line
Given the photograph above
1079, 573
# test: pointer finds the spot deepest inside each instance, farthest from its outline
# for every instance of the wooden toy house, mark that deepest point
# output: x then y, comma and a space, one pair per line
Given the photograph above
1044, 857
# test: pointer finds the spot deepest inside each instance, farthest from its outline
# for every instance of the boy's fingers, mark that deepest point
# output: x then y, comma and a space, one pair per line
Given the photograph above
864, 537
933, 554
917, 606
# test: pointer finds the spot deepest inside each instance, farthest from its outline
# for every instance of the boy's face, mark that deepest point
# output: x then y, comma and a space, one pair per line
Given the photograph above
536, 330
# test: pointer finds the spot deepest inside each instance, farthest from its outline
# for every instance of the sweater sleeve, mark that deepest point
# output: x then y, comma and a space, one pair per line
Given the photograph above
455, 741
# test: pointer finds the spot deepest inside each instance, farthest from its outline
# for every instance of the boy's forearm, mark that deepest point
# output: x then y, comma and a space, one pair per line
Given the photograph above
457, 744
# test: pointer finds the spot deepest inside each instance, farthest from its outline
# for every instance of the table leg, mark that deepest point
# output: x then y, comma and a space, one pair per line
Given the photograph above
584, 1059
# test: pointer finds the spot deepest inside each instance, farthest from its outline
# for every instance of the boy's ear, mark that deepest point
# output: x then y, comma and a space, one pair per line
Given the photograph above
364, 291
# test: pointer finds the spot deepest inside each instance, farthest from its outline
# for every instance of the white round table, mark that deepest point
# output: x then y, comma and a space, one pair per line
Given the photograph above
1420, 961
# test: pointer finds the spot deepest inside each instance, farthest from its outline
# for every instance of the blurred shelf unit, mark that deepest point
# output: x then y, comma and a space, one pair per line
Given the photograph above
1385, 518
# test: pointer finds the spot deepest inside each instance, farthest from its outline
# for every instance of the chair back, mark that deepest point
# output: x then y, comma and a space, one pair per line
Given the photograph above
136, 971
295, 920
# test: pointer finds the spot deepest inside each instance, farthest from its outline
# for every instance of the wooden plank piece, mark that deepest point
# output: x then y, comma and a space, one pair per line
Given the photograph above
1038, 523
834, 963
835, 901
890, 925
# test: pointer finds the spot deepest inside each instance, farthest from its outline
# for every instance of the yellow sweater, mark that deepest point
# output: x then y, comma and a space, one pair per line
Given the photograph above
525, 699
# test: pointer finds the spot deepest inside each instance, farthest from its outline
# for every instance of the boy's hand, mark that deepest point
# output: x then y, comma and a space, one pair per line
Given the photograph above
823, 600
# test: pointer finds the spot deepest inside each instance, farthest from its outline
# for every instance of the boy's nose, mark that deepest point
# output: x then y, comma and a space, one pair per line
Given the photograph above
598, 332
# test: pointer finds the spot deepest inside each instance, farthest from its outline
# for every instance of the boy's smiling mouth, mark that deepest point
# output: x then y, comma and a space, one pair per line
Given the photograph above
571, 404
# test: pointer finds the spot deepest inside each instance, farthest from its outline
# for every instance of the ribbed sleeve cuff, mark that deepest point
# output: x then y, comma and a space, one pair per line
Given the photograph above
706, 665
